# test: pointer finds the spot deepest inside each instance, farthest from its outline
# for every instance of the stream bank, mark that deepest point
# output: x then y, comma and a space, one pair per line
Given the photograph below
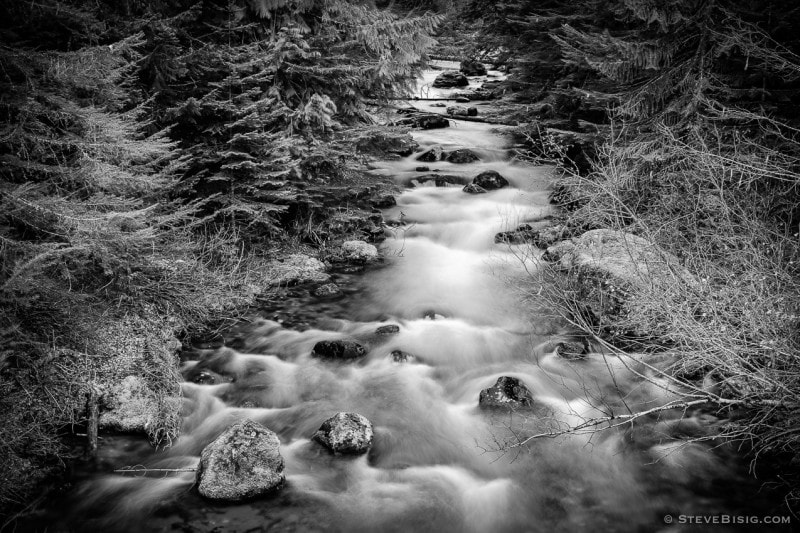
447, 295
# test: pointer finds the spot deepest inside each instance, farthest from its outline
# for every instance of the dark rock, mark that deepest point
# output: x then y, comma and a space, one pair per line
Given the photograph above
425, 121
472, 67
384, 201
440, 180
339, 349
462, 156
507, 393
390, 329
525, 234
490, 180
476, 94
572, 349
327, 290
472, 111
474, 189
450, 78
244, 462
457, 110
434, 154
348, 433
432, 315
399, 356
423, 169
438, 104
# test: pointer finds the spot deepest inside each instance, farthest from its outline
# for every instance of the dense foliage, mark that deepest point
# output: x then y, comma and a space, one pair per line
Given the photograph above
153, 153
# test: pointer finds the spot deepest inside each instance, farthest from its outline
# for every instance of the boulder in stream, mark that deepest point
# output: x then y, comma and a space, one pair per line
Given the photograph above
389, 329
342, 349
440, 180
461, 111
462, 156
507, 393
490, 180
472, 67
345, 433
244, 462
450, 78
425, 121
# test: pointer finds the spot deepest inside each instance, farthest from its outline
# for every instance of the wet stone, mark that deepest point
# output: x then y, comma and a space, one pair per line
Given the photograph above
391, 329
244, 462
507, 393
450, 78
462, 156
572, 349
434, 154
345, 433
399, 356
474, 189
342, 349
490, 180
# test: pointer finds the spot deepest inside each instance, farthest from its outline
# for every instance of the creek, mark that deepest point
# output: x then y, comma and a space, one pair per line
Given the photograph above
468, 313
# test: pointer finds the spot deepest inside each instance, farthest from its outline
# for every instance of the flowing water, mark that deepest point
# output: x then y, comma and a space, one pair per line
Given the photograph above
468, 314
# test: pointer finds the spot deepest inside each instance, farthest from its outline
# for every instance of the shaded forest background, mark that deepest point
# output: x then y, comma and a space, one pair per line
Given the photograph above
157, 154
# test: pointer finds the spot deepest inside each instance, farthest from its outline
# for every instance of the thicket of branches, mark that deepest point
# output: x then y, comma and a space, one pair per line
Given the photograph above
153, 152
703, 160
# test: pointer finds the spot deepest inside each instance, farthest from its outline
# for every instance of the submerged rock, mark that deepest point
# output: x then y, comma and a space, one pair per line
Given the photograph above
450, 78
507, 393
359, 251
462, 156
339, 349
490, 180
472, 67
244, 462
348, 433
473, 189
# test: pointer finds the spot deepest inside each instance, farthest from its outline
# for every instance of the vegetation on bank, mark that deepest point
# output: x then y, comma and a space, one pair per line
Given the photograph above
699, 156
156, 156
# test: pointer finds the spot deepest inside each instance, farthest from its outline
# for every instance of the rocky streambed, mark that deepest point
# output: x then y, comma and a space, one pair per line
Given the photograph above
402, 400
